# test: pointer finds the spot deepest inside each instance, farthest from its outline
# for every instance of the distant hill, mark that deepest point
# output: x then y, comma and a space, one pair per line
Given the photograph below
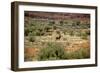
56, 15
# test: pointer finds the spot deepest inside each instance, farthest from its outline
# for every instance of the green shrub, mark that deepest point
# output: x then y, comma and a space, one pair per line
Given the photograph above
32, 34
78, 23
35, 33
47, 28
51, 23
84, 35
71, 33
61, 22
53, 51
54, 27
79, 54
27, 31
32, 38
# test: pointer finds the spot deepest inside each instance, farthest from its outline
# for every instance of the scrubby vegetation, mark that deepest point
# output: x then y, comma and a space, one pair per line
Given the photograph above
79, 54
52, 52
56, 52
55, 36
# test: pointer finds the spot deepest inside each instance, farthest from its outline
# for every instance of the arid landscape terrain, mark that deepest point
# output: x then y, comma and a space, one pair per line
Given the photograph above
56, 36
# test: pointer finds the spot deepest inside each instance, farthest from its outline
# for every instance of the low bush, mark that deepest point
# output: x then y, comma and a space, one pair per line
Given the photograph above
53, 51
32, 38
79, 54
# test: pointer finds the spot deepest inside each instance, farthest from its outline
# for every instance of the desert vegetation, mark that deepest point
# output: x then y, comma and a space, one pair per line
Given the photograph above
56, 36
